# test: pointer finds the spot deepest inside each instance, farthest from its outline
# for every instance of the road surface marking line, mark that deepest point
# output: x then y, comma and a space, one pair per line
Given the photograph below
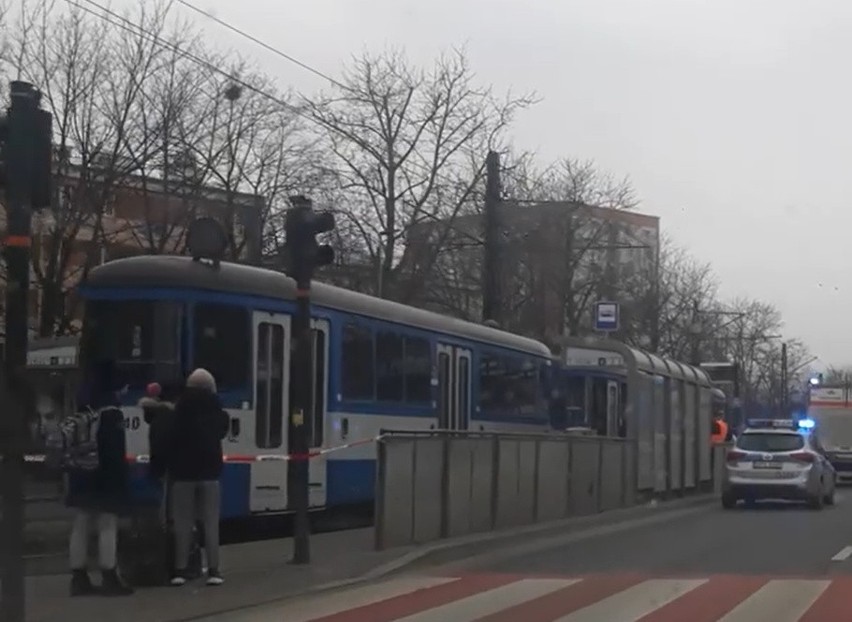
708, 602
384, 609
634, 602
784, 600
311, 607
492, 601
833, 603
843, 555
589, 591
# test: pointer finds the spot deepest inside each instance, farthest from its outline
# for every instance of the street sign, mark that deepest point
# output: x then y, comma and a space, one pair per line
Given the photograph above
606, 316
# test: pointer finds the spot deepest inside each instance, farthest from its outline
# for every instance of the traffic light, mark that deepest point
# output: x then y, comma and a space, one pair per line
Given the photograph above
304, 253
26, 149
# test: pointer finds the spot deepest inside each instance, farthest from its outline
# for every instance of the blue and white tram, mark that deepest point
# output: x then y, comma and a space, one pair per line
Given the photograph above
378, 365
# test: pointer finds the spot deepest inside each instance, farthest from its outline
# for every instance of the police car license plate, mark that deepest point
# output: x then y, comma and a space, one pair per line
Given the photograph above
767, 465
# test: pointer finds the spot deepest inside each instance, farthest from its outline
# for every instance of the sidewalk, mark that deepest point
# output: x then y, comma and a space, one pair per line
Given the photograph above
255, 573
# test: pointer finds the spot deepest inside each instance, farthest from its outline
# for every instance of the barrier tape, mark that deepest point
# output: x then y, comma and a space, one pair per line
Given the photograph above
237, 458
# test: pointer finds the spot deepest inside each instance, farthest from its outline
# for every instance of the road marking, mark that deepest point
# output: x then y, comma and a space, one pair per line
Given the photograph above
779, 601
635, 602
306, 609
843, 555
491, 602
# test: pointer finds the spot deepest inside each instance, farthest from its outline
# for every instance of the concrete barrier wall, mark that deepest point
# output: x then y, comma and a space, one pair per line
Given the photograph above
439, 485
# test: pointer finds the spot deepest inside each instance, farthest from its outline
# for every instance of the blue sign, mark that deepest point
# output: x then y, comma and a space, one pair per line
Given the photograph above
606, 316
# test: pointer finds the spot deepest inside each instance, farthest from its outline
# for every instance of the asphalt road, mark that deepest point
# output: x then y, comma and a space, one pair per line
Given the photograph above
768, 539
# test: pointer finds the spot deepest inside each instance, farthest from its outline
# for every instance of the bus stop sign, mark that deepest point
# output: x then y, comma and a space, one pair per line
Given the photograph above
606, 316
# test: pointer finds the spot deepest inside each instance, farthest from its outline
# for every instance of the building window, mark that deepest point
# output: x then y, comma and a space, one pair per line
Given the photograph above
359, 363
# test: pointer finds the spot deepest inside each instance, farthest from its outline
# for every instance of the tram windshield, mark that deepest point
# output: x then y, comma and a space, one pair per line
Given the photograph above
142, 338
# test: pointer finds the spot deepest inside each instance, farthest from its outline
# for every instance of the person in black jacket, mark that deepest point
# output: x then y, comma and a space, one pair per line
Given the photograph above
100, 494
193, 467
158, 409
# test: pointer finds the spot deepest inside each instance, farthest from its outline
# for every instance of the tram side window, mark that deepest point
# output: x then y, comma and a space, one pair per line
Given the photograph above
142, 337
222, 344
390, 371
418, 370
359, 363
403, 368
269, 381
509, 386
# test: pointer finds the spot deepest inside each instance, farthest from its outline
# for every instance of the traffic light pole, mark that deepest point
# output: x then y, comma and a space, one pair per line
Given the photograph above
304, 255
16, 248
303, 398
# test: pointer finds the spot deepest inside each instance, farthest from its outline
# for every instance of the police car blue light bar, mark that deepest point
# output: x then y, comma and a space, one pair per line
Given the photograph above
789, 424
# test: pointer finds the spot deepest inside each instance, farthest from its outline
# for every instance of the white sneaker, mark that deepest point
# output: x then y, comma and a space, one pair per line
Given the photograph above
214, 578
178, 581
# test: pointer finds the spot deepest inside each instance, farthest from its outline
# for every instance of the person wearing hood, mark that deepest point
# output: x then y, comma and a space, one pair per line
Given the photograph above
194, 466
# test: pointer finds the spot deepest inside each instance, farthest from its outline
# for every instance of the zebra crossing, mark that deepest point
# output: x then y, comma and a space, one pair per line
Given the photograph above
604, 598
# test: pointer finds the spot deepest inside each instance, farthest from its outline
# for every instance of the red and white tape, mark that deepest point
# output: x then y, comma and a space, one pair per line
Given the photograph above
241, 458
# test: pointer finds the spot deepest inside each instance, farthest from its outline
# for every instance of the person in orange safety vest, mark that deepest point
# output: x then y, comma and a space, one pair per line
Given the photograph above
719, 431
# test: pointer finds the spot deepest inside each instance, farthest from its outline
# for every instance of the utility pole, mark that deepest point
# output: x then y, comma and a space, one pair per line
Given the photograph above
304, 256
25, 171
655, 294
492, 303
785, 389
695, 330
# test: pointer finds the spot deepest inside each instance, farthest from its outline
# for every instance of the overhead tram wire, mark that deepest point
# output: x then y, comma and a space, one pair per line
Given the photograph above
128, 26
263, 44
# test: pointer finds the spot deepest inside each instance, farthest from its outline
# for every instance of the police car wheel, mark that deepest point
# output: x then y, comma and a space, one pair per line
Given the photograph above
728, 501
816, 502
829, 498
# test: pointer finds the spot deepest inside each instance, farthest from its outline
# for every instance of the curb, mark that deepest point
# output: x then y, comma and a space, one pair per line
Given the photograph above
578, 525
665, 509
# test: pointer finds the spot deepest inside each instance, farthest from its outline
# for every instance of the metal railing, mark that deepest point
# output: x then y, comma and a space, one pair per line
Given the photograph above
440, 484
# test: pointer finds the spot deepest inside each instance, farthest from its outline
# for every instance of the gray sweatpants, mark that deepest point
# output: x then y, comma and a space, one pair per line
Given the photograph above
191, 500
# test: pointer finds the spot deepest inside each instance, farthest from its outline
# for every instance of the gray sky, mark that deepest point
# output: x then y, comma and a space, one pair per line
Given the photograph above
730, 116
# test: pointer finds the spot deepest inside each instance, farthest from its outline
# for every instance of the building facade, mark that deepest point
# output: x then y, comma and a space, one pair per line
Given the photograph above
96, 219
555, 260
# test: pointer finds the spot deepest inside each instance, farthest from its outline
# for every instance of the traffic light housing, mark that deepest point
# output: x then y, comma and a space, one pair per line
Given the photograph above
303, 253
26, 149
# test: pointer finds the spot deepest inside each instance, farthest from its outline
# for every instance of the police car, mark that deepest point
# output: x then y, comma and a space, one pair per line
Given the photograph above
778, 459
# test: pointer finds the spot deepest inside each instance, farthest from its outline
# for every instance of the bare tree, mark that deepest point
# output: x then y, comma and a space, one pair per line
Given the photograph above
93, 78
574, 235
837, 376
402, 140
662, 295
253, 142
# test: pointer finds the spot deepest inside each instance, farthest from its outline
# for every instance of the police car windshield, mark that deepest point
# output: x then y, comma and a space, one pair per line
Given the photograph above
770, 441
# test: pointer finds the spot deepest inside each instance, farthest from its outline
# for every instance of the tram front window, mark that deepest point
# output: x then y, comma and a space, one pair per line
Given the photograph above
142, 338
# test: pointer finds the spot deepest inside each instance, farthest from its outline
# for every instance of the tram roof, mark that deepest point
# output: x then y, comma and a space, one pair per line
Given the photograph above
642, 360
174, 271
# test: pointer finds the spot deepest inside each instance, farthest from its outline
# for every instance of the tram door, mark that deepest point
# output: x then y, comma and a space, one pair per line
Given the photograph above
317, 418
271, 405
613, 407
454, 379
